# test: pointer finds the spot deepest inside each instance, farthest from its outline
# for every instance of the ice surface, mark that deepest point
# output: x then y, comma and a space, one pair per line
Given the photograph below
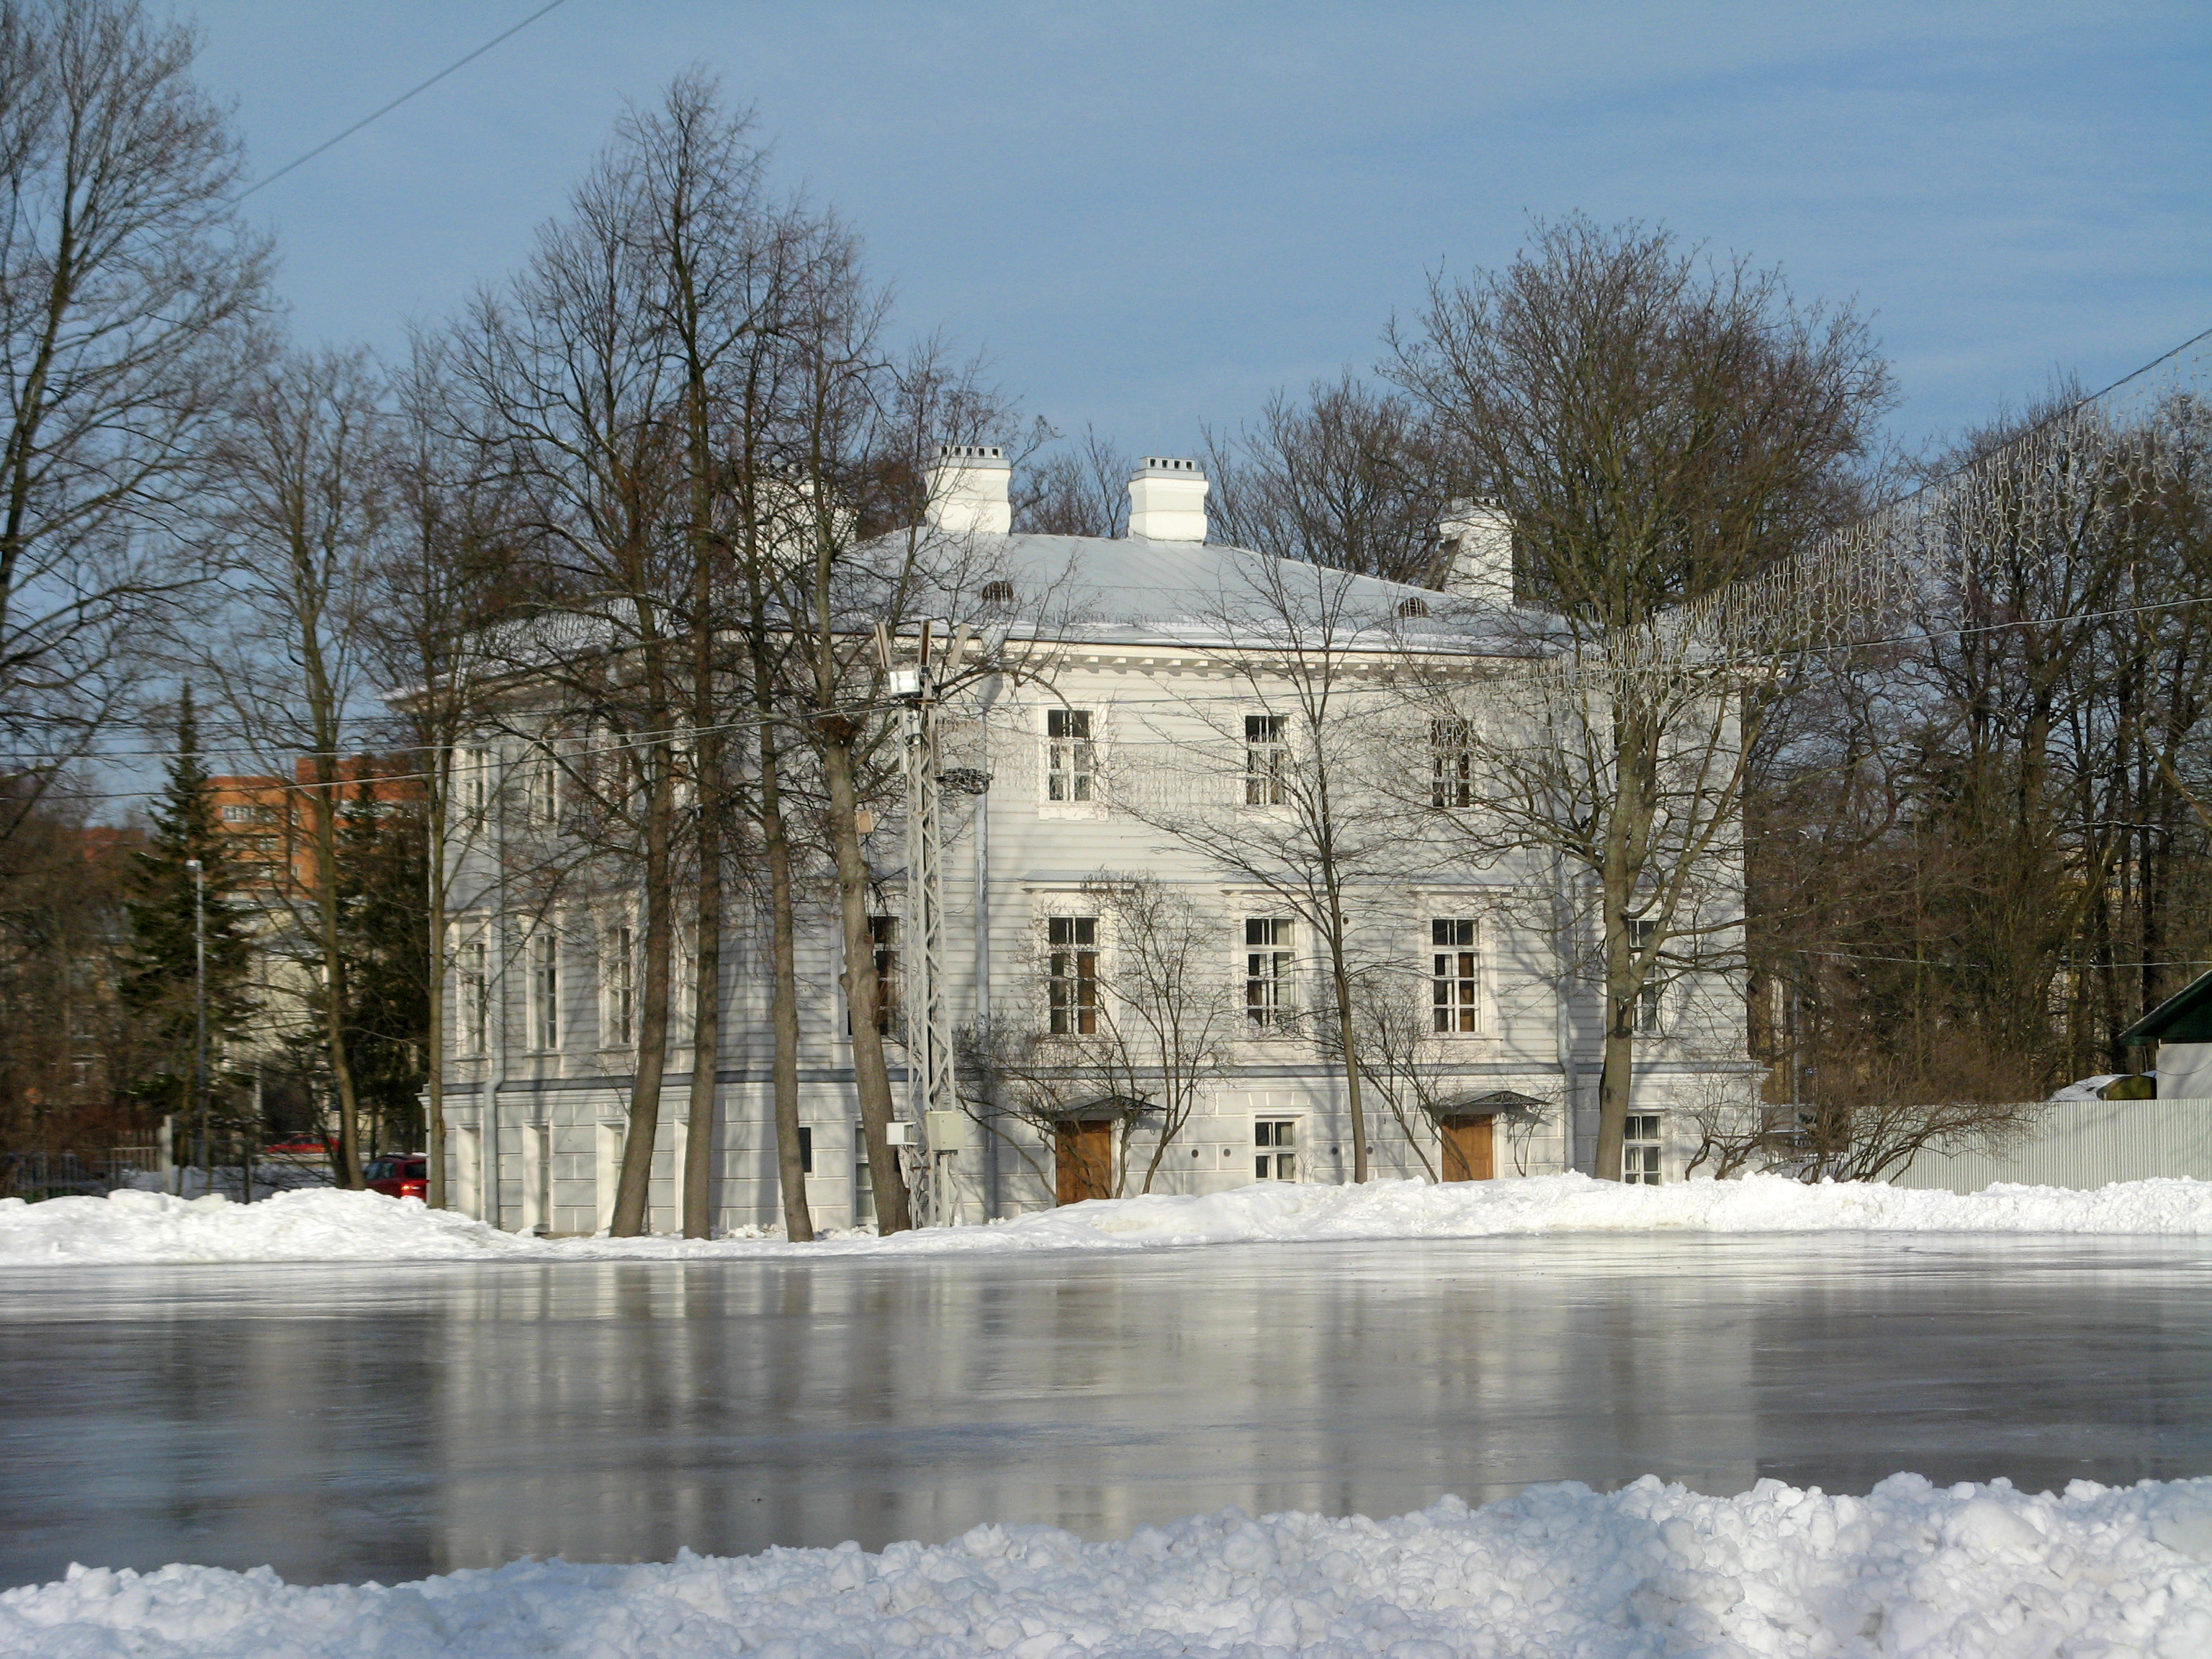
332, 1227
1958, 1573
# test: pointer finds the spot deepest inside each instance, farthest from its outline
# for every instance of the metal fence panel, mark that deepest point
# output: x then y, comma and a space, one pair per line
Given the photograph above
2083, 1144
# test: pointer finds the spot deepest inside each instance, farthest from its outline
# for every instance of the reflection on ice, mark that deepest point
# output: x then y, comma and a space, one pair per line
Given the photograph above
387, 1422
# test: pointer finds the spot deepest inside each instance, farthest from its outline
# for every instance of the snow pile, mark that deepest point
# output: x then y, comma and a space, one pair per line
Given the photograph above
336, 1226
1649, 1571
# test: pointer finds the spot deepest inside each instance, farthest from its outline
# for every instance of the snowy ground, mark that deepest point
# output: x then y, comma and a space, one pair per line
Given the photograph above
1959, 1572
333, 1226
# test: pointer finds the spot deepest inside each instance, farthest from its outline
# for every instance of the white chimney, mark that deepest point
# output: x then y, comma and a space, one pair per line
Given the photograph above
968, 490
1478, 554
1167, 500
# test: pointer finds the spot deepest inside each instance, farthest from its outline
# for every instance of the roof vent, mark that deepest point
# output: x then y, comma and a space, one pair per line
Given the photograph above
968, 490
1167, 500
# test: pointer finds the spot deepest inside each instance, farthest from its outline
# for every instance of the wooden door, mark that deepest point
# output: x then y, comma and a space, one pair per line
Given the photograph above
1083, 1162
1468, 1149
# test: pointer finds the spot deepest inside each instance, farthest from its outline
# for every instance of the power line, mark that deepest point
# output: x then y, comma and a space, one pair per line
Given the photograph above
380, 113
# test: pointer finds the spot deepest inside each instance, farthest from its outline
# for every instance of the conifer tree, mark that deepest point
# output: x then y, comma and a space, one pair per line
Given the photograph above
383, 876
159, 974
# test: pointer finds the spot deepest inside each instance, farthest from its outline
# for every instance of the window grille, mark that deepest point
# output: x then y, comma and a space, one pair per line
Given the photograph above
1266, 760
545, 991
1072, 757
618, 970
1274, 1149
1451, 764
1267, 970
1639, 1149
1454, 977
1414, 608
998, 592
864, 1180
1071, 981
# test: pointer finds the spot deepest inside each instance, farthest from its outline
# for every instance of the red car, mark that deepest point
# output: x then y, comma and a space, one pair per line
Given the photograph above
406, 1175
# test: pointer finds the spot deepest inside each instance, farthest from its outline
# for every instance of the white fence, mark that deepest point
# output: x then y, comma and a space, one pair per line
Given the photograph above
2084, 1144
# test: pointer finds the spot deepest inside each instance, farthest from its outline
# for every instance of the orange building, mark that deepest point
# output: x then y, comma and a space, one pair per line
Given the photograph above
267, 826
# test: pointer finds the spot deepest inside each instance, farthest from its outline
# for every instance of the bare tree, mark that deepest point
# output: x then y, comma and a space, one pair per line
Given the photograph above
130, 298
1355, 479
1140, 1030
1649, 429
302, 511
1285, 798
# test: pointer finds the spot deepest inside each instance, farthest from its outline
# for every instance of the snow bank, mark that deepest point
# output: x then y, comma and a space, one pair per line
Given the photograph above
334, 1227
1911, 1570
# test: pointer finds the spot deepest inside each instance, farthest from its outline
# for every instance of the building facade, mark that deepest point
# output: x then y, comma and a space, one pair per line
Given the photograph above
1151, 745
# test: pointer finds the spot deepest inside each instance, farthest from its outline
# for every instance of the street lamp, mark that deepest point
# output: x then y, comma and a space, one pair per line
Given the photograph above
199, 1008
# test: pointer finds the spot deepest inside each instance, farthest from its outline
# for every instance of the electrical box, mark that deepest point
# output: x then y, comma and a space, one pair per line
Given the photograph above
898, 1133
948, 1131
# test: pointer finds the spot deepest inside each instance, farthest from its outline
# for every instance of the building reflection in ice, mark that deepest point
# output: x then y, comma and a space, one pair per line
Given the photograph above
351, 1423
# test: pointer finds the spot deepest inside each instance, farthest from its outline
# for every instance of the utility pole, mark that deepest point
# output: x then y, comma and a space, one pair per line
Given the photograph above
199, 1010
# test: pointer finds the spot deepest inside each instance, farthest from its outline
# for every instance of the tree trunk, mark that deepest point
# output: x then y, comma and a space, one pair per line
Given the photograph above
783, 1014
870, 1075
633, 1190
1340, 982
707, 1012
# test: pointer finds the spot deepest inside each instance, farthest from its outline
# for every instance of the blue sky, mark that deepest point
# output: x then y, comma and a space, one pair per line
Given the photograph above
1149, 215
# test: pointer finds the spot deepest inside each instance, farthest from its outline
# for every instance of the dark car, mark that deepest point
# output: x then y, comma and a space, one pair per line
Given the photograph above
405, 1175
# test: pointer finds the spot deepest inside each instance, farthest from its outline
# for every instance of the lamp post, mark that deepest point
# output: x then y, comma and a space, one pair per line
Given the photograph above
199, 1009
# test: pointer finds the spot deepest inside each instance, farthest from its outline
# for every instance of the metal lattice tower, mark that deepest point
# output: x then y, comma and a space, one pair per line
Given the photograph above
928, 1024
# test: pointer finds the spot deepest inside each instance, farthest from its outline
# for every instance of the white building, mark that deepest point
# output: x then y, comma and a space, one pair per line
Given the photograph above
1146, 710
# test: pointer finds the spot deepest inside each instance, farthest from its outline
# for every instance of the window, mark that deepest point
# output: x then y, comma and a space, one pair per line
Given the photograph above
618, 984
1646, 1022
1639, 1149
806, 1149
1454, 980
883, 934
1267, 970
1414, 607
545, 789
1275, 1149
864, 1180
249, 814
1451, 762
1070, 755
998, 592
471, 999
544, 990
1266, 760
1071, 981
476, 780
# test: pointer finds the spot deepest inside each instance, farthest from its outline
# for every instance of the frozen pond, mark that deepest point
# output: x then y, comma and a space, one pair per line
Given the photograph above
348, 1422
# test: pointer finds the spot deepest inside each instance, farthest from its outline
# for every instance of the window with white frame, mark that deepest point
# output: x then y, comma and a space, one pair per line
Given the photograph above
618, 986
471, 997
1639, 1149
475, 769
1266, 760
544, 990
1267, 968
1274, 1149
1451, 764
1454, 976
1071, 773
1648, 1004
1072, 975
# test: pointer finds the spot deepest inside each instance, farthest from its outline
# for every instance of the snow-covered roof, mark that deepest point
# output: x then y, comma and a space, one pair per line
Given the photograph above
1135, 590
